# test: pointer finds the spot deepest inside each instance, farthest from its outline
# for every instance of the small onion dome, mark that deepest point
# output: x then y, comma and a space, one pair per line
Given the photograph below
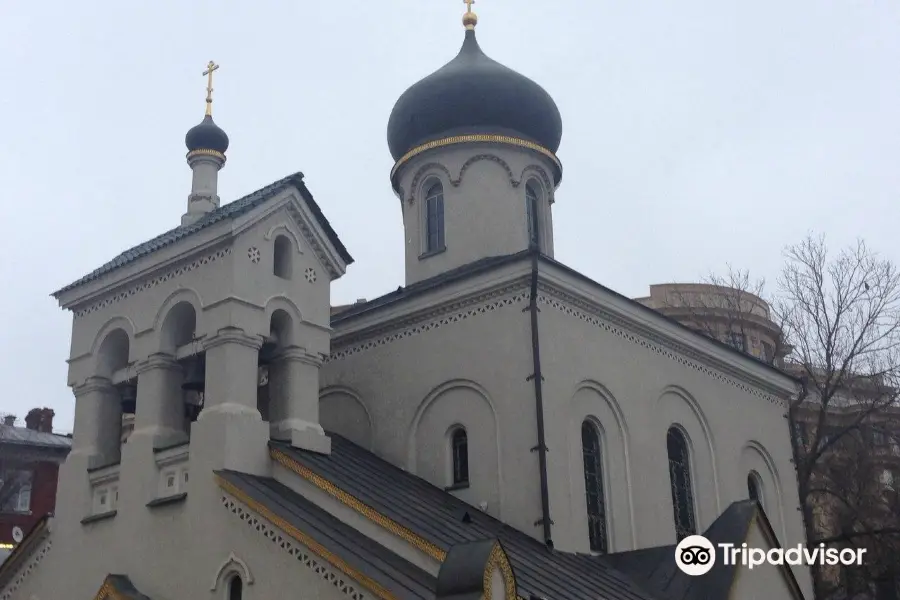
206, 136
473, 94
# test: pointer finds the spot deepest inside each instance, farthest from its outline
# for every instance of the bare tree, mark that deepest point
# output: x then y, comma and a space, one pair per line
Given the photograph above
841, 317
835, 326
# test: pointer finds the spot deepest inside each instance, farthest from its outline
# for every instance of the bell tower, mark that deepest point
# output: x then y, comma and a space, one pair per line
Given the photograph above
476, 170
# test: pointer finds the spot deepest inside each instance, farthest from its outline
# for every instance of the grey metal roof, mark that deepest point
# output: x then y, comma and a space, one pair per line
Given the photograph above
405, 580
30, 437
437, 516
657, 569
226, 211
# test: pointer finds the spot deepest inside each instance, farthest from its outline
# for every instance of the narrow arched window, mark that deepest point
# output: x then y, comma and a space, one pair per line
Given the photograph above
754, 488
283, 266
531, 209
593, 486
235, 588
682, 487
434, 218
459, 442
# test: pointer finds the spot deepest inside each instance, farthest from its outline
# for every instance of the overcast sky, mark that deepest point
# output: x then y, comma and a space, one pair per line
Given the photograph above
695, 133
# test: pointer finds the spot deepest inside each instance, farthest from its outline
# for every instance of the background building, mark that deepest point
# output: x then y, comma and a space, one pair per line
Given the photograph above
859, 434
29, 460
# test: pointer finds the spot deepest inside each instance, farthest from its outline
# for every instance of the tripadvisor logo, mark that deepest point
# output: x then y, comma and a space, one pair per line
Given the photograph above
696, 555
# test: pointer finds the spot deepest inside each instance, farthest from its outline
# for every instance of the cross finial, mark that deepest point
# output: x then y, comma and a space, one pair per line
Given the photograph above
470, 20
209, 88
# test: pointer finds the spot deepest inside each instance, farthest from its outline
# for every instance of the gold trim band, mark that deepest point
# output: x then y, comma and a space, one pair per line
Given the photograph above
307, 541
205, 152
466, 139
367, 511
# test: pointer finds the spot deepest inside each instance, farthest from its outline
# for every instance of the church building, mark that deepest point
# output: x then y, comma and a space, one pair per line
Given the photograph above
499, 427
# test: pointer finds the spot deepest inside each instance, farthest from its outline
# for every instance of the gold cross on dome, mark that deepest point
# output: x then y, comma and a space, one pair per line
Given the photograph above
209, 88
469, 4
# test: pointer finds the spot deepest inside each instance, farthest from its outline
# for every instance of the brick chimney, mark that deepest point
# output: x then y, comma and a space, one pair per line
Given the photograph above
40, 419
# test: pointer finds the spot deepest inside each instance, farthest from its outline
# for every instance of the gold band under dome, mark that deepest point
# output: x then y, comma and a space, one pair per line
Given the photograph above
474, 138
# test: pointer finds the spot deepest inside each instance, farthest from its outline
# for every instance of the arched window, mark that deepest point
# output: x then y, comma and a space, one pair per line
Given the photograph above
434, 218
235, 588
283, 264
459, 443
593, 486
754, 488
682, 487
531, 210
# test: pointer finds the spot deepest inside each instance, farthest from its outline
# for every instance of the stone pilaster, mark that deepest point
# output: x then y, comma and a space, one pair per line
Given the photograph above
232, 362
229, 433
294, 400
98, 422
160, 401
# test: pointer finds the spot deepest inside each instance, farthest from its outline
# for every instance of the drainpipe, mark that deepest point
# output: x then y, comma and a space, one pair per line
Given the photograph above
538, 379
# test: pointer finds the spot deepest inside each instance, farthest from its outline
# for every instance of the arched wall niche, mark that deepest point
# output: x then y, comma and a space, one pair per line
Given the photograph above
464, 403
342, 411
593, 402
676, 406
233, 565
755, 458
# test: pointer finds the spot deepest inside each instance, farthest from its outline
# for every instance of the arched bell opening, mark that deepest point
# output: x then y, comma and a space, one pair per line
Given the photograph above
112, 360
178, 339
280, 337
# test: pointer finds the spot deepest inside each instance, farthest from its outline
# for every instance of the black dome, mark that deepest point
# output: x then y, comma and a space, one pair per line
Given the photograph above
473, 94
206, 136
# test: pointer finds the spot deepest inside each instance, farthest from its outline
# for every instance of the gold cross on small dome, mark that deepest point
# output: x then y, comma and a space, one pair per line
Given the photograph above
209, 88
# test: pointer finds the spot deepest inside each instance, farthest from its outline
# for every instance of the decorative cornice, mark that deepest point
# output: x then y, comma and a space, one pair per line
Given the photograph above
370, 513
297, 354
414, 186
434, 318
596, 315
475, 138
168, 275
513, 180
590, 312
233, 335
372, 586
310, 238
91, 385
157, 361
39, 551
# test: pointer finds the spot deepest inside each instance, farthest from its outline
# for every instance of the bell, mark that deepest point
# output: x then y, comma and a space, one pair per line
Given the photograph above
128, 398
193, 404
195, 376
270, 345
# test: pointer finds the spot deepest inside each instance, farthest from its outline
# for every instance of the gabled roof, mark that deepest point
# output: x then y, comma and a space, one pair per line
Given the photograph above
441, 520
354, 550
656, 567
231, 210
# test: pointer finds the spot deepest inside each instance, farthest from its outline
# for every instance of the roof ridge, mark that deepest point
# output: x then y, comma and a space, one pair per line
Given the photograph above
229, 210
